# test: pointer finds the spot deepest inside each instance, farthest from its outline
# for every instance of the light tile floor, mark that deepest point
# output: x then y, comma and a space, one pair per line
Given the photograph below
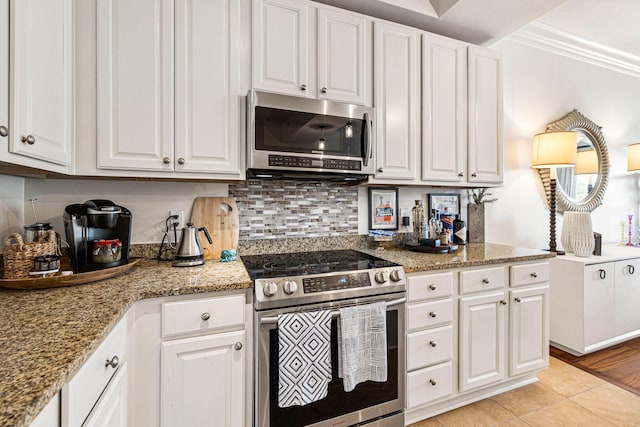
564, 396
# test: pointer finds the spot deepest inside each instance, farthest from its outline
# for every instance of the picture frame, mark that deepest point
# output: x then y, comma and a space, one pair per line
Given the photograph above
383, 208
441, 201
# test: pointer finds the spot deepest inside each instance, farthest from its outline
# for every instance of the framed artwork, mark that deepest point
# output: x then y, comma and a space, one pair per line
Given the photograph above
444, 202
383, 208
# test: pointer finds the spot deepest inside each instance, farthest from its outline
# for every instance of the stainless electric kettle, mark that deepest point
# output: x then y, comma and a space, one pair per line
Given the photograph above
190, 250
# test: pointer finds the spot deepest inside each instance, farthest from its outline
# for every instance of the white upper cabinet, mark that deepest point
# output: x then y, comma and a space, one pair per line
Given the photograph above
485, 162
314, 52
169, 87
281, 47
444, 112
397, 100
36, 47
343, 64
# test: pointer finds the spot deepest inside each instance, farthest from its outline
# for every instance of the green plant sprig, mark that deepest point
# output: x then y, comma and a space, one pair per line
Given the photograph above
479, 196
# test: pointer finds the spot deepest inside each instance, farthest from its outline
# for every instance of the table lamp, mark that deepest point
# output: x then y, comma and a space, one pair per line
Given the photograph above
633, 157
552, 150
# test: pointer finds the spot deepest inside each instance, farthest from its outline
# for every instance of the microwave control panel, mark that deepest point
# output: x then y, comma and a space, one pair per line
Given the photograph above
308, 162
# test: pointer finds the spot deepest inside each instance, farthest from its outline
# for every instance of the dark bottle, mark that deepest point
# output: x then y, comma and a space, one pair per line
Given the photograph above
459, 231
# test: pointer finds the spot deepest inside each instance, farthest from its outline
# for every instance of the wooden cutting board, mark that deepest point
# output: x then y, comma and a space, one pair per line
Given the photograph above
220, 216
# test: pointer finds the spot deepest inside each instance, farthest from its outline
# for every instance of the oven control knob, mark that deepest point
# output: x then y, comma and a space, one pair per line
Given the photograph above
290, 287
269, 289
395, 276
380, 277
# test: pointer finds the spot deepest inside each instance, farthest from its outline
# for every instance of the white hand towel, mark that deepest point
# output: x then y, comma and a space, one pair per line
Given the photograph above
362, 341
304, 352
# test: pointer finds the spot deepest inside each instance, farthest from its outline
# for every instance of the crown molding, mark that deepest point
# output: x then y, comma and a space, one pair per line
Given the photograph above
554, 40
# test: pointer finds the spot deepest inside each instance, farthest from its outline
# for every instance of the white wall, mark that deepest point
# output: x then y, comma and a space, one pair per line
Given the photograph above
541, 87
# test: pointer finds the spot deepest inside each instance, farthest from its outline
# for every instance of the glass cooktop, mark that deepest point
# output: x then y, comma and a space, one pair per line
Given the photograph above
305, 263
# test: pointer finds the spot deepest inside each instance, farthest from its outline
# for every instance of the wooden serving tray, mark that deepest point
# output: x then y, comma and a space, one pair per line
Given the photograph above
57, 280
432, 249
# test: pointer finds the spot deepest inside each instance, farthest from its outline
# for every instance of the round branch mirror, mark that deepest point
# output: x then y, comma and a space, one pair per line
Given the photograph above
581, 187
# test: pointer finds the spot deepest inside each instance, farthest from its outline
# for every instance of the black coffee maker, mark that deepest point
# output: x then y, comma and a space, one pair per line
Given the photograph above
98, 233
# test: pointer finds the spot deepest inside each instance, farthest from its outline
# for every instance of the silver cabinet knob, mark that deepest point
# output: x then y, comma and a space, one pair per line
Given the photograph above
503, 302
460, 174
534, 275
432, 287
113, 362
474, 175
29, 139
395, 276
181, 161
433, 382
205, 316
516, 299
303, 87
380, 170
166, 160
433, 314
433, 343
485, 281
238, 346
4, 131
323, 90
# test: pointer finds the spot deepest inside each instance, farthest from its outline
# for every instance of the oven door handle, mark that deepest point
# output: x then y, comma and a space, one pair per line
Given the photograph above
334, 313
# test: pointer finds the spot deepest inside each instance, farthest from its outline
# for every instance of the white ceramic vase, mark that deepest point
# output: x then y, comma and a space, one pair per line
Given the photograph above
568, 228
581, 235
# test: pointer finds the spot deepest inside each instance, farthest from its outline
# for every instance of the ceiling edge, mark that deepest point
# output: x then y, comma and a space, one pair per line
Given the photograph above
554, 40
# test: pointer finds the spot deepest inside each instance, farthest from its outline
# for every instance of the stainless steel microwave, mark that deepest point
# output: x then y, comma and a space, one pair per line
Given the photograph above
291, 137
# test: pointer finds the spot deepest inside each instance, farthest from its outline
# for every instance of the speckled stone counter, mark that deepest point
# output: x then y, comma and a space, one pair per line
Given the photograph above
470, 255
46, 335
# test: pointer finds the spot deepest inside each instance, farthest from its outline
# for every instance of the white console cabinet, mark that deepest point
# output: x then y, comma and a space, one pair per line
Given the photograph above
594, 301
473, 333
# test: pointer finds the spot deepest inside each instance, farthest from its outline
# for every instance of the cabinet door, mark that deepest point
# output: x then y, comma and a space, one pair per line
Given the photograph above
485, 163
207, 107
344, 73
203, 381
397, 102
599, 303
444, 109
281, 47
529, 329
482, 335
135, 84
41, 77
627, 296
111, 409
4, 70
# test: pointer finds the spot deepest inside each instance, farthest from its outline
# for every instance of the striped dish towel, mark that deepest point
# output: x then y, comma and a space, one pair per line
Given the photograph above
304, 367
362, 344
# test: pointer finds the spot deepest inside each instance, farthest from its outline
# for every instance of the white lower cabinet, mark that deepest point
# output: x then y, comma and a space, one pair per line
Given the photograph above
594, 301
111, 409
50, 415
493, 337
191, 364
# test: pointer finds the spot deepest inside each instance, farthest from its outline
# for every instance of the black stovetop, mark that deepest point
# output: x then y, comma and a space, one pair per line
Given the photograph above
305, 263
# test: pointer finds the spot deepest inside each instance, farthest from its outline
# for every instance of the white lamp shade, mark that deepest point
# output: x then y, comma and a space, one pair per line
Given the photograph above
586, 162
554, 149
633, 157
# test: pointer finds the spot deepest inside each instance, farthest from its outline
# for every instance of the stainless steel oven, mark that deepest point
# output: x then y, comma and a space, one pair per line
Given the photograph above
298, 283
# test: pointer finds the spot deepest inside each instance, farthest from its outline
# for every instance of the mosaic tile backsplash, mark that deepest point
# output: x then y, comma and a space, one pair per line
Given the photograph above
277, 209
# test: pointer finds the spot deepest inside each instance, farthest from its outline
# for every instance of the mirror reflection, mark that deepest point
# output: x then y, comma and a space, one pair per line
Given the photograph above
577, 182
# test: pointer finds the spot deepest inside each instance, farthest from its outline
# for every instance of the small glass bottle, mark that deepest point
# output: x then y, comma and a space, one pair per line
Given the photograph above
459, 231
417, 213
435, 226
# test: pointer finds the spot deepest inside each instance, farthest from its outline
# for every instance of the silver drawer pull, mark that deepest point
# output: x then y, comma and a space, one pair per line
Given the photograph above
602, 274
238, 346
503, 302
534, 275
4, 131
433, 343
205, 316
432, 287
113, 362
433, 382
516, 299
29, 139
485, 281
432, 314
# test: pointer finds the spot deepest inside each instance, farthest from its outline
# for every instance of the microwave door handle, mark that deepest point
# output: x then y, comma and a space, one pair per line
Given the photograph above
368, 150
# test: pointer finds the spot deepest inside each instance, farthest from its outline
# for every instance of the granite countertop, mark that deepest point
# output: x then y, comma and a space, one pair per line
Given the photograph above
46, 335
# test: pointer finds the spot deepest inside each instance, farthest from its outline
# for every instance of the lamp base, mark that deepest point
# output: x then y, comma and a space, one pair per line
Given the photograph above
557, 252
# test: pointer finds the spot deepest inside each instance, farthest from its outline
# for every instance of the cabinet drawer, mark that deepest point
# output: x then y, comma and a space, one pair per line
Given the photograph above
429, 384
202, 315
529, 274
481, 280
429, 286
86, 386
428, 314
429, 347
